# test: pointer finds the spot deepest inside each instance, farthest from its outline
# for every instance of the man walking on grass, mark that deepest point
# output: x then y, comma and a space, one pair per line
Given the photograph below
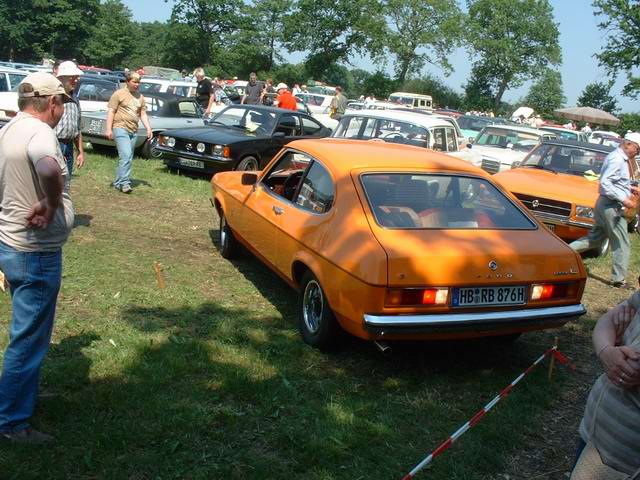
36, 216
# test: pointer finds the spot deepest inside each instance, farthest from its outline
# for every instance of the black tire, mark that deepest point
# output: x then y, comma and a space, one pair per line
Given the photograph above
103, 149
147, 150
248, 164
229, 246
317, 323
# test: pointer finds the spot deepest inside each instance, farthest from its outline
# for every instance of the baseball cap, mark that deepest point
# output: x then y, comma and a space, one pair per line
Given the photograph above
281, 85
44, 85
633, 137
69, 69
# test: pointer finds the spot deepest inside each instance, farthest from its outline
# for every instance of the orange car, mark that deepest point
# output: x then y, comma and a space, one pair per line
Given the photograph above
391, 241
558, 183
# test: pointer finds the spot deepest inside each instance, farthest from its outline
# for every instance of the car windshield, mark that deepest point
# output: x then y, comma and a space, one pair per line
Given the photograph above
566, 159
255, 121
15, 80
150, 87
362, 127
505, 138
421, 201
475, 124
563, 134
401, 100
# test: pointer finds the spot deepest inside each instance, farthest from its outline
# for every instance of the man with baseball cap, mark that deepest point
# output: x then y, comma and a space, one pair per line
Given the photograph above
36, 217
68, 129
616, 194
285, 99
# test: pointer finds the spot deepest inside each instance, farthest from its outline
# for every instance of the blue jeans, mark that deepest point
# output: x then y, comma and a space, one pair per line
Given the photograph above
126, 144
34, 279
67, 153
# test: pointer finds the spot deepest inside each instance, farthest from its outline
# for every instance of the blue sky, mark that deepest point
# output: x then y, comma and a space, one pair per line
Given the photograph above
579, 38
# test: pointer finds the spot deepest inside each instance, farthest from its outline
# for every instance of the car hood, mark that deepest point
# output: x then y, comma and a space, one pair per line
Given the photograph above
213, 134
506, 156
546, 184
462, 257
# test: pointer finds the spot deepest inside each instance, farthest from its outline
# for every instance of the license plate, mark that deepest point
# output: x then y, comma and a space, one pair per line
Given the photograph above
95, 126
474, 296
550, 226
187, 162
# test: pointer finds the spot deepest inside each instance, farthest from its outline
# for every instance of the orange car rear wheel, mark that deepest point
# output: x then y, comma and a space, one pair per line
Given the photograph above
229, 245
318, 324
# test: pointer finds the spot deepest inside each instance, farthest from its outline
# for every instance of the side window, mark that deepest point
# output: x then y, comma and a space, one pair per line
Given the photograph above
187, 109
289, 125
349, 127
4, 87
439, 140
317, 190
452, 143
310, 127
284, 177
153, 104
87, 91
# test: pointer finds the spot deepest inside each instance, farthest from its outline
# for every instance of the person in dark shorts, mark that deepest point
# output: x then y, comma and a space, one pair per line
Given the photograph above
254, 91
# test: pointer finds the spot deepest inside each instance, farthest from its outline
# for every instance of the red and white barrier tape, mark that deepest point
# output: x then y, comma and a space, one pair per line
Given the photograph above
476, 418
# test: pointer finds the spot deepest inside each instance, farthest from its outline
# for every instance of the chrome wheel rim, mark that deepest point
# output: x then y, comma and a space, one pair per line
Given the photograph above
312, 306
152, 148
223, 232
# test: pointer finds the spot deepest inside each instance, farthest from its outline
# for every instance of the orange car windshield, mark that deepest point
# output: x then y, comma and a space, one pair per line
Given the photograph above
418, 201
572, 160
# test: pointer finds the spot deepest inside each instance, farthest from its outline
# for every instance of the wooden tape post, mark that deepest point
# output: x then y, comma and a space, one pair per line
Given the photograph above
158, 269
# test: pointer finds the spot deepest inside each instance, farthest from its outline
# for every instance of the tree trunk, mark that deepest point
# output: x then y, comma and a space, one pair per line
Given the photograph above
503, 86
402, 73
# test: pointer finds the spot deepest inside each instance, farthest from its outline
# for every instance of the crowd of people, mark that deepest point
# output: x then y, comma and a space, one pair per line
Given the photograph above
36, 217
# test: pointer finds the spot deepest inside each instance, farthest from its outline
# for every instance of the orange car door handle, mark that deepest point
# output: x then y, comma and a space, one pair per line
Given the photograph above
277, 210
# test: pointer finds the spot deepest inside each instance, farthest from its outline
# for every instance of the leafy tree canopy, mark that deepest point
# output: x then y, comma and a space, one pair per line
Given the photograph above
112, 38
420, 32
511, 41
621, 53
546, 94
597, 95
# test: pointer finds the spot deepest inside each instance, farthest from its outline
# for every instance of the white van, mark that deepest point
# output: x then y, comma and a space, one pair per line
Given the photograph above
412, 100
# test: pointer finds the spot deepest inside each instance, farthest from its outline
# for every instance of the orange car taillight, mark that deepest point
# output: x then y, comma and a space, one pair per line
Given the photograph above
553, 291
410, 297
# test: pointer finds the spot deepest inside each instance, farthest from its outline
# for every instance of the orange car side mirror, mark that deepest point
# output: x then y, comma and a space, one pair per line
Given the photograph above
249, 178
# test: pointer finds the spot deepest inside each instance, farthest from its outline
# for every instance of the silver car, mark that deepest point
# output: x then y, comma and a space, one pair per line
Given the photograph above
165, 111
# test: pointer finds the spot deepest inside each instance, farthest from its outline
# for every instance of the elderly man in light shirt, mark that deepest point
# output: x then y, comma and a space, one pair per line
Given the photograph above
616, 194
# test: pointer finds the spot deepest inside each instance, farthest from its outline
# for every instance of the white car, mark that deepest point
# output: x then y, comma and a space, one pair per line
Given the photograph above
566, 134
10, 78
180, 88
399, 126
498, 147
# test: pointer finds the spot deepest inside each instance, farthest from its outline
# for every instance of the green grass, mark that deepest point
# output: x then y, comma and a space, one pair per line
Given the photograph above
209, 378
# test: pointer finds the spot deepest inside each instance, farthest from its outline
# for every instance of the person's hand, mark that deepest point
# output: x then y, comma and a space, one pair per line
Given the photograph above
622, 365
40, 214
149, 134
80, 160
630, 202
109, 134
621, 316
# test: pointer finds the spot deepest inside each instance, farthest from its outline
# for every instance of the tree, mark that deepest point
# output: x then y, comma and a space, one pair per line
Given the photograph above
546, 94
511, 41
151, 51
31, 29
112, 38
597, 95
268, 20
622, 51
331, 31
628, 121
379, 84
442, 94
208, 24
420, 32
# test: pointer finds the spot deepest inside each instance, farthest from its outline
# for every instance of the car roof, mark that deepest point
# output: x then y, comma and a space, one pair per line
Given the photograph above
403, 115
559, 129
341, 156
576, 144
517, 128
13, 70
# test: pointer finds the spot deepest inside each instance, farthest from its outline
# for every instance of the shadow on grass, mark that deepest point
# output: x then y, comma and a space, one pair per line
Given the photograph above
82, 220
